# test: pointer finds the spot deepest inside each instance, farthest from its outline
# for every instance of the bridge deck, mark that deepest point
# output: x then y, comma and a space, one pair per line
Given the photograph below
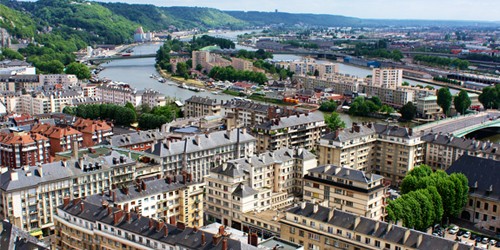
462, 125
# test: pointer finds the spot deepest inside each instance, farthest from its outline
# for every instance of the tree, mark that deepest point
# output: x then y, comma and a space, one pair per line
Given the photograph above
405, 84
316, 73
490, 97
51, 67
462, 102
80, 70
444, 99
334, 121
376, 100
182, 69
199, 67
328, 106
408, 111
11, 54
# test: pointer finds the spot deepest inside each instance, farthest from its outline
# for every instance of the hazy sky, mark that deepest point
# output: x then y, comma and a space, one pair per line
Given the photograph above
488, 10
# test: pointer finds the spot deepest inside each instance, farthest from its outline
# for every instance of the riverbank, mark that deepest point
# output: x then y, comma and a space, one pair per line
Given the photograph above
180, 80
443, 84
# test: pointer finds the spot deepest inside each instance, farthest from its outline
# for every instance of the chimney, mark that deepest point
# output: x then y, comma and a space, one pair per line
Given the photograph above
203, 239
82, 206
315, 208
14, 176
356, 222
224, 244
110, 210
165, 232
331, 213
221, 230
143, 186
114, 196
66, 201
125, 207
76, 201
159, 225
337, 132
151, 223
254, 240
74, 155
181, 226
117, 216
40, 170
420, 238
128, 216
303, 205
195, 229
215, 239
169, 180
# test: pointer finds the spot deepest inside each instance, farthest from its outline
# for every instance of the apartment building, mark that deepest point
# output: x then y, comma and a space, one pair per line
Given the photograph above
84, 225
62, 79
245, 113
346, 189
19, 82
427, 107
138, 141
265, 182
171, 199
338, 83
321, 228
390, 151
198, 154
442, 150
61, 138
483, 206
309, 66
153, 98
197, 106
396, 97
118, 94
301, 130
387, 78
40, 102
209, 60
14, 238
89, 90
353, 148
93, 131
19, 149
30, 195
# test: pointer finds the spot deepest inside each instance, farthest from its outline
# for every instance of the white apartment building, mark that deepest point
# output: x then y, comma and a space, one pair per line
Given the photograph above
40, 102
310, 66
427, 107
258, 183
199, 153
387, 78
63, 79
29, 196
120, 94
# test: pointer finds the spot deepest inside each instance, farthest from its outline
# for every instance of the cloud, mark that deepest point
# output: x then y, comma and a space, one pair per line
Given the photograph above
382, 9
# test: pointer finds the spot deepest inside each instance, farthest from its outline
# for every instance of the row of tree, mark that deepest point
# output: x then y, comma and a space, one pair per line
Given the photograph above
258, 54
205, 40
490, 97
272, 69
231, 74
428, 197
462, 101
441, 61
121, 115
362, 106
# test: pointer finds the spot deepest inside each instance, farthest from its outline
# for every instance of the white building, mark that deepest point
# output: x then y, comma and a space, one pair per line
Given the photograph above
387, 78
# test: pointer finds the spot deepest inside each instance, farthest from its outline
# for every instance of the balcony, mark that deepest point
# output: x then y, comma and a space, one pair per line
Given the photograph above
197, 217
197, 201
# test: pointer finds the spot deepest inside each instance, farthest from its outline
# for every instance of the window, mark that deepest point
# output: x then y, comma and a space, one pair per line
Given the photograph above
377, 243
387, 245
367, 240
398, 248
494, 208
339, 232
478, 204
292, 230
301, 233
486, 206
471, 202
358, 237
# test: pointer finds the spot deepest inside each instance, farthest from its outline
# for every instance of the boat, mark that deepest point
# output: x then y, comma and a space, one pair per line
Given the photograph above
161, 79
215, 92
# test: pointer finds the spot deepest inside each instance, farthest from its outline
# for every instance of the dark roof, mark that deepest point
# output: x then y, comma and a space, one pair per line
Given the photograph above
293, 120
470, 145
393, 130
11, 237
482, 174
345, 173
202, 100
189, 238
136, 138
343, 135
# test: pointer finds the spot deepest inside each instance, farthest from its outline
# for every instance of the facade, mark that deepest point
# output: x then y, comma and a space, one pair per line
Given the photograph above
309, 66
483, 206
93, 131
40, 102
29, 196
138, 141
441, 150
171, 199
118, 94
63, 79
209, 60
321, 228
153, 98
347, 190
338, 83
390, 151
301, 130
19, 149
19, 82
387, 78
197, 106
140, 36
83, 225
199, 153
396, 97
264, 182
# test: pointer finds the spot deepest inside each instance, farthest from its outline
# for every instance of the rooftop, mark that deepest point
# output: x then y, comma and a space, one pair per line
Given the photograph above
291, 121
345, 173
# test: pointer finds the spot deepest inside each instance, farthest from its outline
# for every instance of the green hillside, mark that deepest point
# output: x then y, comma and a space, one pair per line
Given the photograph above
16, 23
204, 17
266, 18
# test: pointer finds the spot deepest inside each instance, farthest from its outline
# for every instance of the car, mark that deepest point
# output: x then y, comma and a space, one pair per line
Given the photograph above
435, 234
453, 230
478, 239
485, 240
466, 235
498, 244
460, 232
493, 242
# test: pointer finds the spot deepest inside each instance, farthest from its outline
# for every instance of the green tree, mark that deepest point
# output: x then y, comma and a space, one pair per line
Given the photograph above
334, 121
316, 72
328, 106
444, 99
405, 83
462, 102
408, 111
11, 54
490, 97
51, 67
376, 100
80, 70
199, 67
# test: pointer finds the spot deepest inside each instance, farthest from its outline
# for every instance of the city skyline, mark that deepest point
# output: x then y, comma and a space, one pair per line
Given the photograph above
486, 10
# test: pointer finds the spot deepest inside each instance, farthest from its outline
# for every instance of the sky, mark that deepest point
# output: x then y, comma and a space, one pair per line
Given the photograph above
484, 10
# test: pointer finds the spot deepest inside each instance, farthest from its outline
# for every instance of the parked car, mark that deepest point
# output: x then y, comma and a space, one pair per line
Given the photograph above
478, 239
498, 244
466, 235
460, 232
493, 242
454, 230
485, 240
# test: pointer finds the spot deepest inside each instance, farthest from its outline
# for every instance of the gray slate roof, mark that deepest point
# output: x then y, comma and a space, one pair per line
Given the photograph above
349, 134
346, 173
243, 191
463, 143
293, 120
202, 100
12, 237
136, 138
393, 130
207, 141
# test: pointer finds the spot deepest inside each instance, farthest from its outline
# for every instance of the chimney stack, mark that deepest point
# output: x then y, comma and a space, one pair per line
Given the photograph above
165, 231
143, 186
254, 240
221, 230
66, 201
151, 223
82, 206
215, 239
159, 226
315, 208
203, 239
117, 216
110, 210
181, 226
224, 244
128, 216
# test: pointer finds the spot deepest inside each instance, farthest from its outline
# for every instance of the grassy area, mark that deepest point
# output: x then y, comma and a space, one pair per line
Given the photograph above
262, 98
178, 79
233, 93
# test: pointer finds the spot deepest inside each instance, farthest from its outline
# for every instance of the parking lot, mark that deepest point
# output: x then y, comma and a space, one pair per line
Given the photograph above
469, 240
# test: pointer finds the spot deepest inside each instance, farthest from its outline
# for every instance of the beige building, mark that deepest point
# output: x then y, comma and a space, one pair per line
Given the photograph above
338, 83
321, 228
171, 199
441, 151
483, 206
265, 182
83, 225
387, 78
199, 153
197, 106
346, 189
427, 107
301, 130
396, 97
392, 151
29, 196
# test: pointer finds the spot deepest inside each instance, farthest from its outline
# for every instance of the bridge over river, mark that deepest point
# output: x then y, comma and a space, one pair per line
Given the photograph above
462, 125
